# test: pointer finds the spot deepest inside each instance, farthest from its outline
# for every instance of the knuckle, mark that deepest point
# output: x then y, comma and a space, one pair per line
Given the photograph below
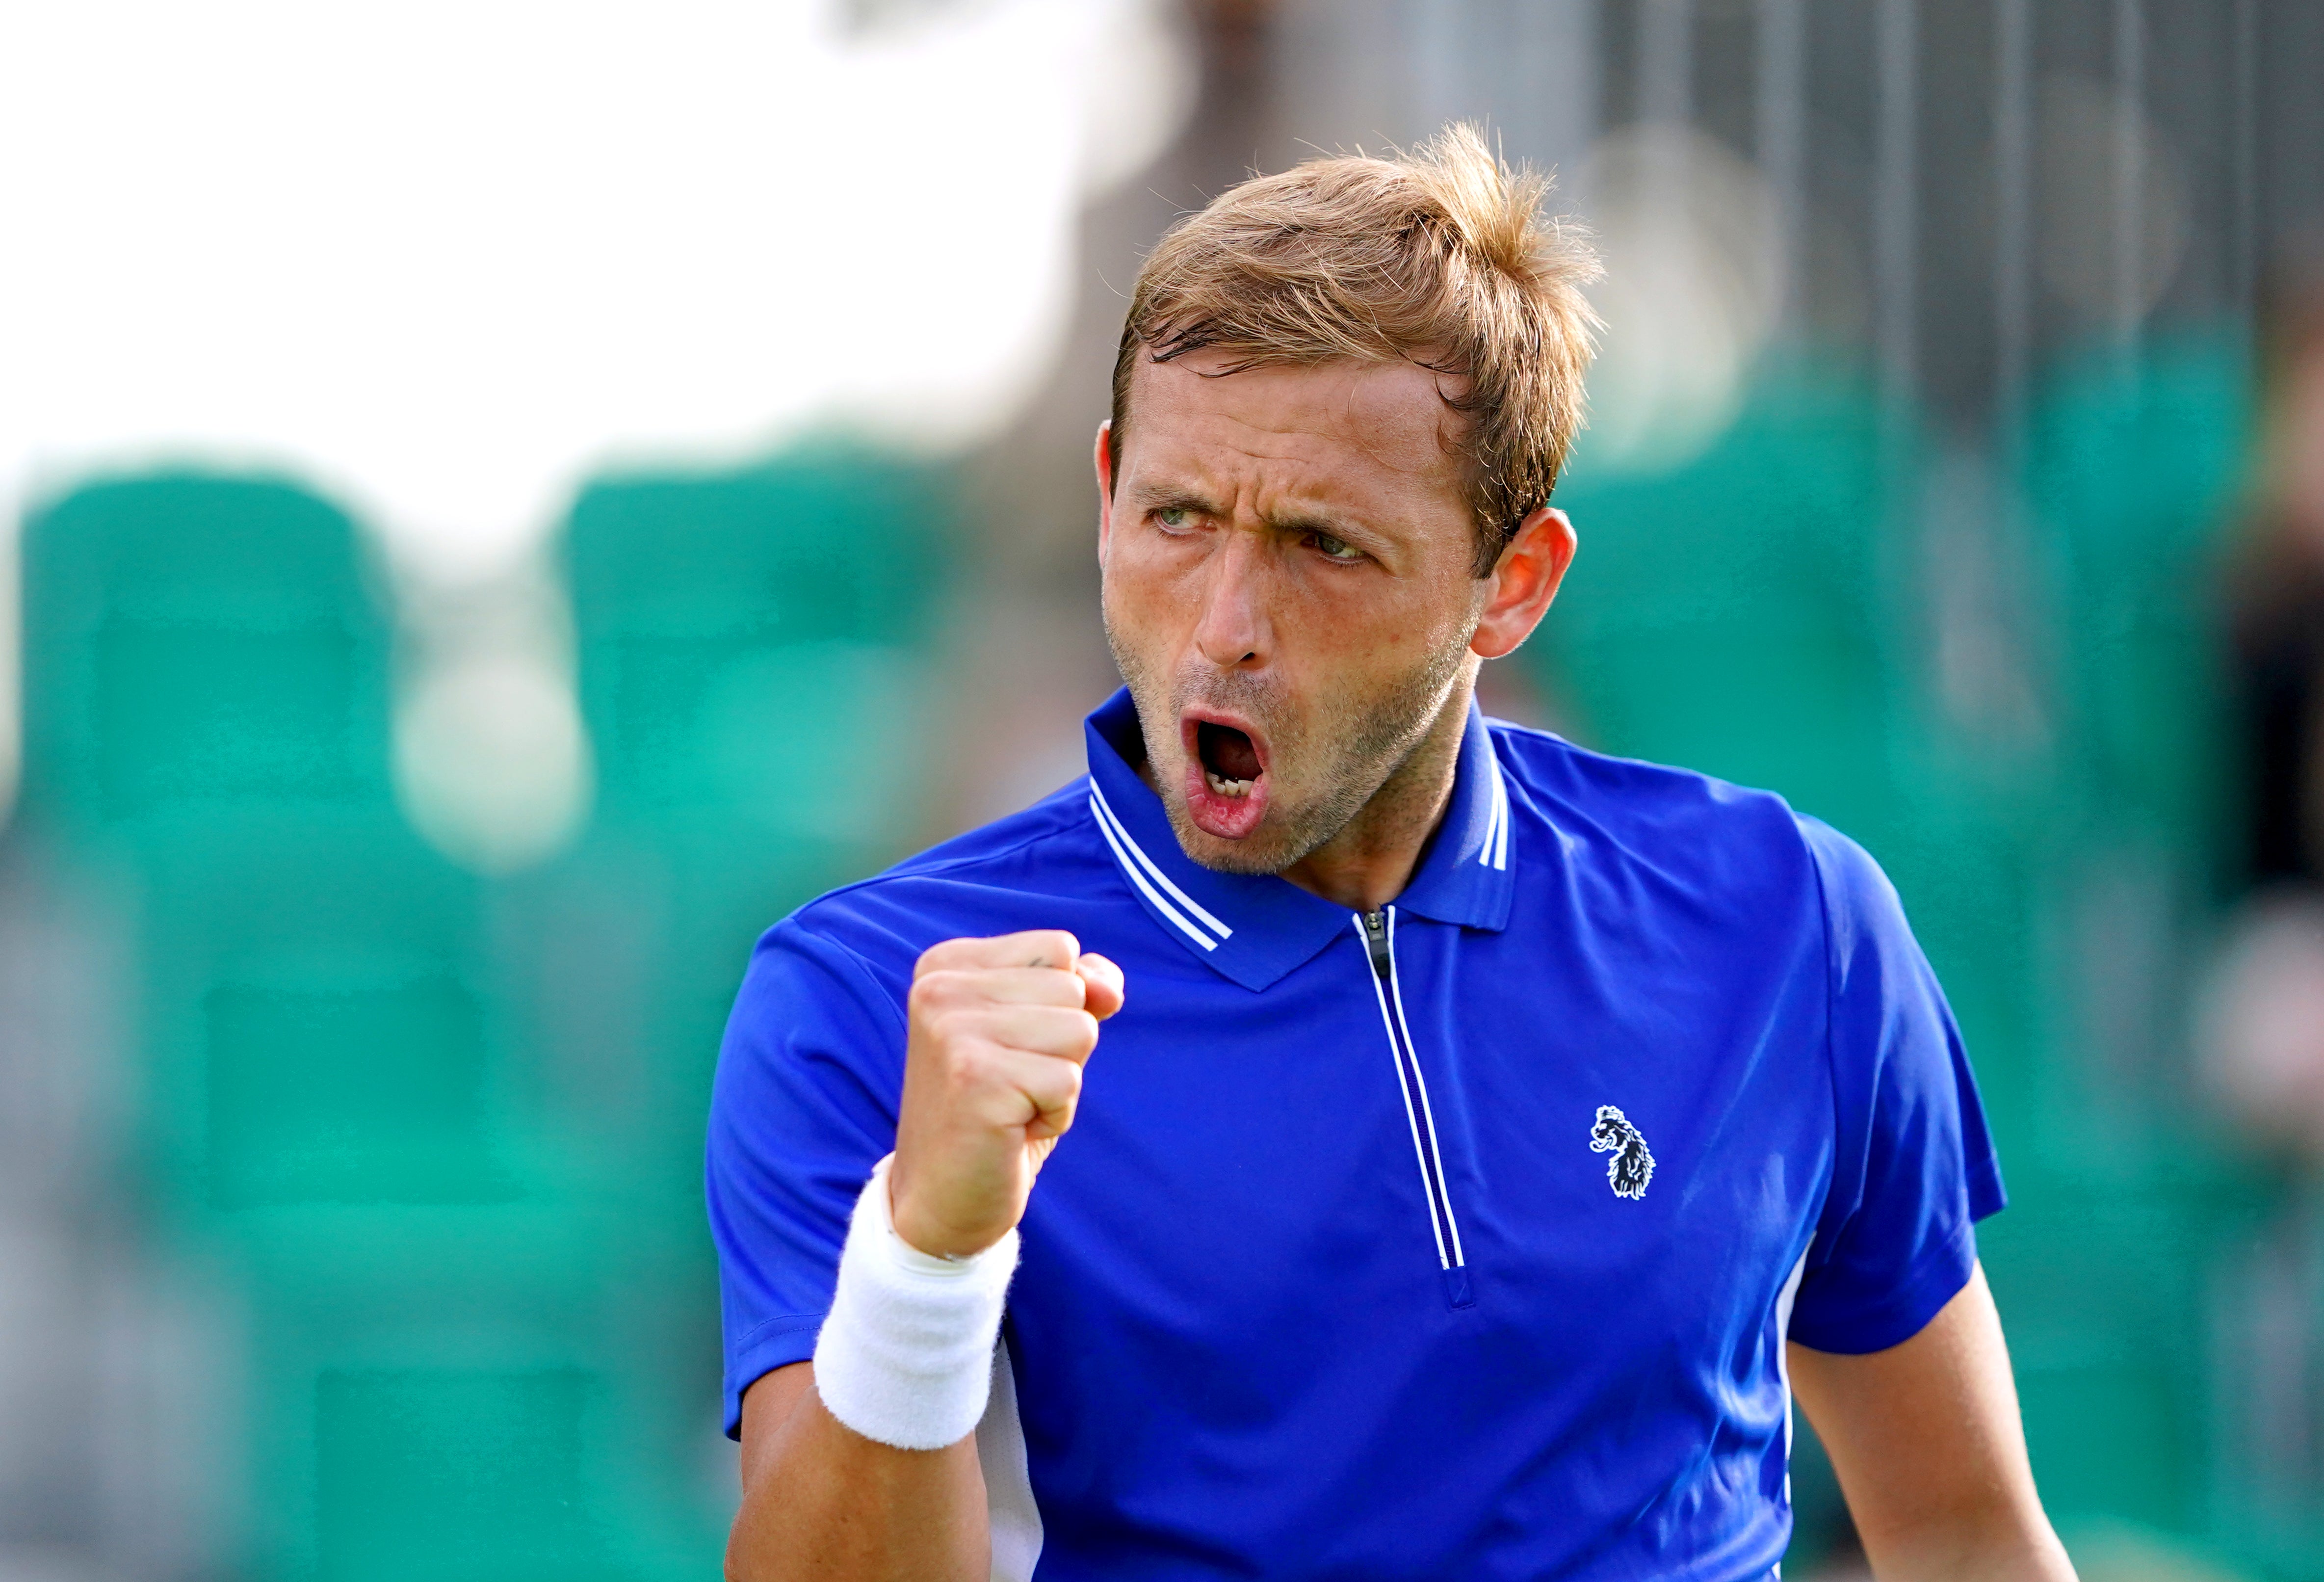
937, 957
1052, 947
943, 990
1056, 1092
968, 1065
1052, 989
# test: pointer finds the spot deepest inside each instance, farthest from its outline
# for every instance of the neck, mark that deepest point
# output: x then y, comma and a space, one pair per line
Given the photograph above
1368, 865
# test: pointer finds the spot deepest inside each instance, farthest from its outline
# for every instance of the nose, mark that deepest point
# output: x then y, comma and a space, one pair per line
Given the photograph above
1232, 631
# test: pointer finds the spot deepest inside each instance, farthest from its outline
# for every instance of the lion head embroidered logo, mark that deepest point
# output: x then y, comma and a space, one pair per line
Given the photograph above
1633, 1164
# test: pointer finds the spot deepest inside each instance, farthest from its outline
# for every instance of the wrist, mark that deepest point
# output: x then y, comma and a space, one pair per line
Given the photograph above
924, 1235
910, 1251
904, 1355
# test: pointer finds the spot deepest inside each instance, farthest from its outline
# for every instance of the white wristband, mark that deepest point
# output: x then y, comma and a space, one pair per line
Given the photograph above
905, 1357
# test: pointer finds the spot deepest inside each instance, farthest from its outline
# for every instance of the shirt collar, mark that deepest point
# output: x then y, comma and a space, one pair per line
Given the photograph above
1254, 927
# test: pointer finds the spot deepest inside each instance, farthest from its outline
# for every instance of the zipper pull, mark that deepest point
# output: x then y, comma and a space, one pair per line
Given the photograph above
1376, 942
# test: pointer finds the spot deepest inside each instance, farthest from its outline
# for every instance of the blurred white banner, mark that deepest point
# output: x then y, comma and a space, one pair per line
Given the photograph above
444, 258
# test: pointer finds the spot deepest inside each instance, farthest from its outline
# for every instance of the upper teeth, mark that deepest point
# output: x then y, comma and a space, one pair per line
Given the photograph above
1225, 787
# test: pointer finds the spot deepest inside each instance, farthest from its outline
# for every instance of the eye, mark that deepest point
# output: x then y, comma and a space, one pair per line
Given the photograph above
1335, 550
1176, 518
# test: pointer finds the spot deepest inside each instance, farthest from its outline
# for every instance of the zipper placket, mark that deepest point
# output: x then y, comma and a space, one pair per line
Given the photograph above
1379, 931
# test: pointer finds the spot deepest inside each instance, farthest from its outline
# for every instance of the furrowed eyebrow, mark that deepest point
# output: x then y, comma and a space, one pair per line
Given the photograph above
1303, 524
1175, 500
1293, 523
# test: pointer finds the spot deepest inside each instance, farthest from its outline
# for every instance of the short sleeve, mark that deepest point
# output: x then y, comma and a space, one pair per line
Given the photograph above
805, 1103
1913, 1168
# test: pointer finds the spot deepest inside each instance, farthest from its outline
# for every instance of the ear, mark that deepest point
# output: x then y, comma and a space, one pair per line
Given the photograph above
1523, 582
1104, 484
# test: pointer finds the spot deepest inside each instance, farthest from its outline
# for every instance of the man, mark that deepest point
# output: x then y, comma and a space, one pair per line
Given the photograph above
1479, 1118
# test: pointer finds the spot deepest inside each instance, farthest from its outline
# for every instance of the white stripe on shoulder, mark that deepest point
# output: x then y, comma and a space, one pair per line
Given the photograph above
1105, 816
1496, 850
1501, 833
1139, 879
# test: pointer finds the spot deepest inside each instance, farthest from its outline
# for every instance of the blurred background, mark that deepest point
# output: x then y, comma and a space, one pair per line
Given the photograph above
503, 502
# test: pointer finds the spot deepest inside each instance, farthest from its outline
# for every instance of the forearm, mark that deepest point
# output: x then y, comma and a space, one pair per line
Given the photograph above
1925, 1438
999, 1029
1973, 1549
821, 1501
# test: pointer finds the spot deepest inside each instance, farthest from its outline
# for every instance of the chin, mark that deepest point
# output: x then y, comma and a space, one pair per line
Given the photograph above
1237, 856
1265, 850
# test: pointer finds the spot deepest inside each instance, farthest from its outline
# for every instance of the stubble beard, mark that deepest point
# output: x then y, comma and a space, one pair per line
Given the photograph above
1348, 749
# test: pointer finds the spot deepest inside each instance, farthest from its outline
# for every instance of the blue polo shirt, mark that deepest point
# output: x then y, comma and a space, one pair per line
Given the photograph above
1459, 1240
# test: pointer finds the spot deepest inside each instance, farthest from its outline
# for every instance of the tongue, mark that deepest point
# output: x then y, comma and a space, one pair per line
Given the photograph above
1230, 752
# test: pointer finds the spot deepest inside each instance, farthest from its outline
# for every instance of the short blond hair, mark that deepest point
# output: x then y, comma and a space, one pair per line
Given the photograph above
1441, 257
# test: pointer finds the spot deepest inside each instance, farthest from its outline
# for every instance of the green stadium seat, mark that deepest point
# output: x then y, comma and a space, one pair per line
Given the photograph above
314, 1025
2104, 1278
446, 1365
2132, 469
459, 1476
1726, 614
198, 643
747, 643
754, 671
366, 1093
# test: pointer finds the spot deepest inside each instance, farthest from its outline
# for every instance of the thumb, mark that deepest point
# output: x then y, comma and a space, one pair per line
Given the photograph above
1106, 989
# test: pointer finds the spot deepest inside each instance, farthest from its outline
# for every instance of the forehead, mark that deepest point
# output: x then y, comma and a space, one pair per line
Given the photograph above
1345, 426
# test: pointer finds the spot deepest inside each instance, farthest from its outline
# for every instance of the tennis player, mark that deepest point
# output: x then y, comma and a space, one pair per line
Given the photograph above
1487, 1139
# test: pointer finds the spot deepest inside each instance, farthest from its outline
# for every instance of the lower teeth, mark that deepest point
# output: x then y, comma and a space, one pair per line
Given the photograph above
1225, 787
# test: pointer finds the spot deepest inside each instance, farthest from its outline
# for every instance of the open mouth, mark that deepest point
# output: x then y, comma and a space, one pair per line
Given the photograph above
1230, 762
1226, 790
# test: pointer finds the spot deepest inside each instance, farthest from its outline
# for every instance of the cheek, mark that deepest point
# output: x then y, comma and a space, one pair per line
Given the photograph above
1174, 569
1147, 590
1365, 618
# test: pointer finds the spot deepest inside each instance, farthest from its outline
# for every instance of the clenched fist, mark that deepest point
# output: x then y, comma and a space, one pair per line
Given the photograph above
992, 1069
